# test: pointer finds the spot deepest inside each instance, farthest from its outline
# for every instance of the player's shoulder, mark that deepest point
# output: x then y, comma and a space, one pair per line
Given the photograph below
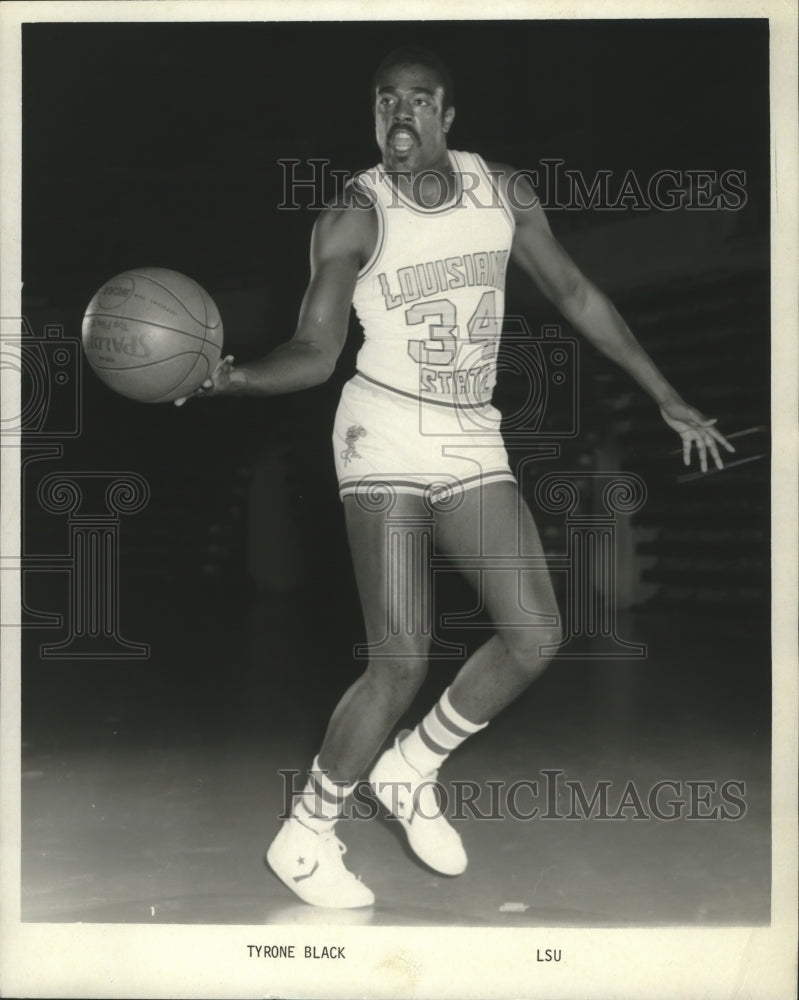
517, 187
509, 175
349, 220
497, 169
355, 201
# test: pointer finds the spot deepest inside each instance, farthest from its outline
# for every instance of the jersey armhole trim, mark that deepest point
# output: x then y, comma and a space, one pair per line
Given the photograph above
497, 190
377, 253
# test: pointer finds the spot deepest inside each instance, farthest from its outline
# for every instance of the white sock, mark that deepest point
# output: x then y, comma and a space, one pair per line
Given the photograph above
436, 736
322, 801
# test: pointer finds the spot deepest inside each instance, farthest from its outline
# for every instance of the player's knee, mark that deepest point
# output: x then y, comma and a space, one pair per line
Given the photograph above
532, 649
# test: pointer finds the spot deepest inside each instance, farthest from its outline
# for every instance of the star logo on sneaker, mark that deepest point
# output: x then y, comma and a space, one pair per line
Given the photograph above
300, 878
328, 883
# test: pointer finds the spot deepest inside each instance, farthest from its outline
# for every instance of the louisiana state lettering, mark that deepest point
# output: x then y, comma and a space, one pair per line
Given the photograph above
432, 298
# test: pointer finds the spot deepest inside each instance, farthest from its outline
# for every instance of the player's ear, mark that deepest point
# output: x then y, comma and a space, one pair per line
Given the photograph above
449, 118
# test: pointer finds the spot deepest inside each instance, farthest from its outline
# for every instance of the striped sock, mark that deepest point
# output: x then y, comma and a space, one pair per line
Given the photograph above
436, 736
322, 801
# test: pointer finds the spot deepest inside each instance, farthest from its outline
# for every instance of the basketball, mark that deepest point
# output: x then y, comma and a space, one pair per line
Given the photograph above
152, 334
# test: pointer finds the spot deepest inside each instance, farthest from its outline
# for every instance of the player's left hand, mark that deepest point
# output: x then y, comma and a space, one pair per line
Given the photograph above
695, 429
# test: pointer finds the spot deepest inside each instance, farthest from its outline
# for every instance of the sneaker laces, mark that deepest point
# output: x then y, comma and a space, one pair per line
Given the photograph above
331, 846
331, 850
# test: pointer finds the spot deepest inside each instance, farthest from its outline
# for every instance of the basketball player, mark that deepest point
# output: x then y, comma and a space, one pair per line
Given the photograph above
419, 246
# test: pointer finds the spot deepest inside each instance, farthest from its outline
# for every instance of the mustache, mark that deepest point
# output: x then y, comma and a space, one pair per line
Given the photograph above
402, 128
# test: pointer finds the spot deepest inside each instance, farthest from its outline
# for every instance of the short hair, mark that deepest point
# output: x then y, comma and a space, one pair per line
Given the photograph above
417, 55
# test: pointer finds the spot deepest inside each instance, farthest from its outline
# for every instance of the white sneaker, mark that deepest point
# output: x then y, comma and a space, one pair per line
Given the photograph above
411, 797
310, 864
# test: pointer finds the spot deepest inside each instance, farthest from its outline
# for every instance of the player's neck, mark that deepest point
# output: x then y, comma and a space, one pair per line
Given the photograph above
430, 185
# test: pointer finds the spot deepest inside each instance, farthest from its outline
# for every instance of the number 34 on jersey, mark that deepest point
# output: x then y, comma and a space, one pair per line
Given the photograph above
451, 364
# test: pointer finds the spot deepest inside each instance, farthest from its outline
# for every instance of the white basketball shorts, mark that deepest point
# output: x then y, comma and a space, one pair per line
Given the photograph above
383, 436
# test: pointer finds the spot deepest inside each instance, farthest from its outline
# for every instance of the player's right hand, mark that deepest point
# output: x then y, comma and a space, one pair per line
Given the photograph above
215, 384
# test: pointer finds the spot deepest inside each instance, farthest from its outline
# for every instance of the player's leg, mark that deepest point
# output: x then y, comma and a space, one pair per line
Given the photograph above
391, 585
521, 604
489, 523
306, 855
520, 601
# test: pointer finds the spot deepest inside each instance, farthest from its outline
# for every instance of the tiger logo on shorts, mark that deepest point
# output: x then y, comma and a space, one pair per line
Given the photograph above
351, 439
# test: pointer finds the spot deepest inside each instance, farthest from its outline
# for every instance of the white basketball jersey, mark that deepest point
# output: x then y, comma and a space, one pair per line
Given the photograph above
432, 297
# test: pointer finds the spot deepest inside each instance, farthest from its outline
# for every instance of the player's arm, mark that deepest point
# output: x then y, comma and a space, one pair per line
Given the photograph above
339, 245
541, 256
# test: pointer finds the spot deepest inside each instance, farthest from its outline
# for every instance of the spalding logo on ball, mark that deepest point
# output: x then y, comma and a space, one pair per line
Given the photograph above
152, 334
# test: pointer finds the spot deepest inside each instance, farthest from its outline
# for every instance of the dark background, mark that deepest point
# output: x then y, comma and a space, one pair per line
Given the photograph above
158, 144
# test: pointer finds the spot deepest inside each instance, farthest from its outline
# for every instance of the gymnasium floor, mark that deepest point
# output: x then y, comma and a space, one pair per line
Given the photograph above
151, 789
